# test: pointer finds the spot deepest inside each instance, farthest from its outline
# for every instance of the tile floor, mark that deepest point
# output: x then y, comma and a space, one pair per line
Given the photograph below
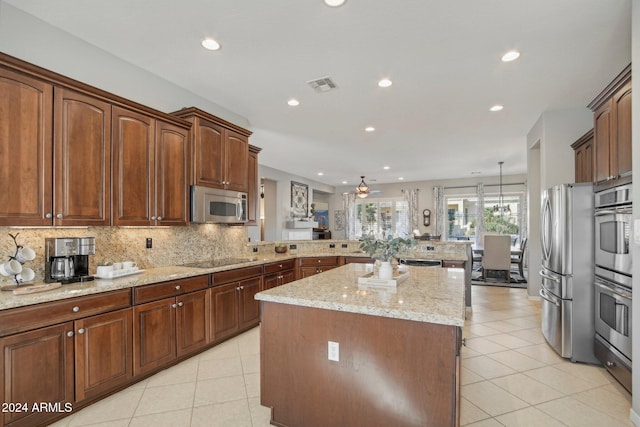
510, 377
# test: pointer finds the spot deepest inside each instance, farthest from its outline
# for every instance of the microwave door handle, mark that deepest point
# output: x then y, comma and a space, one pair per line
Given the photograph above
239, 210
622, 319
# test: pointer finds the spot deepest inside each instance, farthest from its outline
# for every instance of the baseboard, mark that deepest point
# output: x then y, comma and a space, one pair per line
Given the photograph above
634, 417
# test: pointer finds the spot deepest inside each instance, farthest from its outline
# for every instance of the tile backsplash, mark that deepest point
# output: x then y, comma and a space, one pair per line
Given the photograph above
171, 246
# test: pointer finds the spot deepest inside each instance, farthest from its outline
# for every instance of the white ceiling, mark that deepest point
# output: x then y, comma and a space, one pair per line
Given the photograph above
442, 55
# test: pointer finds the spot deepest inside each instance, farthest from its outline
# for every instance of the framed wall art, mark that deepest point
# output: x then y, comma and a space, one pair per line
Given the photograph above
299, 199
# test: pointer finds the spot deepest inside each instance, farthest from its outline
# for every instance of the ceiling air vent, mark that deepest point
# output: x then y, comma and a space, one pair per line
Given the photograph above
324, 84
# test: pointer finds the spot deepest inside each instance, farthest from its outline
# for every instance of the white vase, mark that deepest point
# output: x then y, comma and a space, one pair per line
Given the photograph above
385, 271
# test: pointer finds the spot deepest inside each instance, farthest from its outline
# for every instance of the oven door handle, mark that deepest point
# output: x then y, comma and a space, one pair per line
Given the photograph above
546, 276
609, 289
624, 211
543, 296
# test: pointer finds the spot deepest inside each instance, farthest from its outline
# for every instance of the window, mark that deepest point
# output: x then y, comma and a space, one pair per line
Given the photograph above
382, 217
462, 218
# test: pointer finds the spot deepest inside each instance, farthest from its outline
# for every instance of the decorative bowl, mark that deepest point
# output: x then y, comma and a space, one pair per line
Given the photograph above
281, 249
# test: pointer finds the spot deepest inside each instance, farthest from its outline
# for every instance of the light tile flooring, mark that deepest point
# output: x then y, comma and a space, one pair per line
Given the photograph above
510, 377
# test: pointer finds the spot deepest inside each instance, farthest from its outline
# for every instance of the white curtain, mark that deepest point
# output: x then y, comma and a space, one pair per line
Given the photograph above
349, 205
480, 214
441, 220
411, 197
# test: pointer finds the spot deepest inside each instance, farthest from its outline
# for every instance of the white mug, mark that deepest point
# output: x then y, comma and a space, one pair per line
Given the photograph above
26, 275
103, 270
10, 268
117, 266
25, 254
129, 264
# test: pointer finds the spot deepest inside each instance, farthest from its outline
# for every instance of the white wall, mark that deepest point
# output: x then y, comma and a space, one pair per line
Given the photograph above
35, 41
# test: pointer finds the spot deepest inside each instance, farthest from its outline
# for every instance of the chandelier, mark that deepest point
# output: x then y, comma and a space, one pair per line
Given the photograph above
362, 190
500, 209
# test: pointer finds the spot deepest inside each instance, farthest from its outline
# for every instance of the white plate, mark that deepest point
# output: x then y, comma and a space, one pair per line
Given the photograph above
120, 273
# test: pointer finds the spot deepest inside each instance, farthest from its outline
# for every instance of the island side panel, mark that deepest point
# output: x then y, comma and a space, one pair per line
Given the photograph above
391, 371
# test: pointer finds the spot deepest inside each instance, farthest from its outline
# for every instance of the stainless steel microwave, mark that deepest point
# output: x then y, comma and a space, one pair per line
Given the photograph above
215, 206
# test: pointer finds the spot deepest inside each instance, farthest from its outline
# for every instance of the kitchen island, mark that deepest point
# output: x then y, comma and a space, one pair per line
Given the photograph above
337, 353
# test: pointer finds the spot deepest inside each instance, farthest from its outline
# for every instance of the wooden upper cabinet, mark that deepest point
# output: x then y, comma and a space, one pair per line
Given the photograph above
133, 168
220, 151
172, 172
25, 150
583, 153
82, 159
150, 170
253, 193
612, 133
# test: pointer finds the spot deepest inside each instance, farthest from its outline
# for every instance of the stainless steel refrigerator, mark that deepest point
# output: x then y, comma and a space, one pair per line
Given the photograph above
567, 292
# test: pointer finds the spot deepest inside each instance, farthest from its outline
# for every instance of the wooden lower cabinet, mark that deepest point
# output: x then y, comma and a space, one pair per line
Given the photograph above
279, 273
315, 265
103, 353
168, 328
38, 367
234, 308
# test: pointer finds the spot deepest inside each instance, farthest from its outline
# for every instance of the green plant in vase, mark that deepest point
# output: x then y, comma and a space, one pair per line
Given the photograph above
385, 250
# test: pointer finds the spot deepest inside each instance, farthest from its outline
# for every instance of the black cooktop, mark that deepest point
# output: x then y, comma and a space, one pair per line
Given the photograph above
220, 262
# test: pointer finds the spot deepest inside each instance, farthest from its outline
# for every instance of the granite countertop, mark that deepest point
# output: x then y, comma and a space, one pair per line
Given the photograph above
434, 295
149, 276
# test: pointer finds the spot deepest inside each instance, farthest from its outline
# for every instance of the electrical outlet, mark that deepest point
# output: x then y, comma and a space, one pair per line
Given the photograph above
431, 248
344, 246
149, 243
332, 245
293, 247
334, 351
255, 249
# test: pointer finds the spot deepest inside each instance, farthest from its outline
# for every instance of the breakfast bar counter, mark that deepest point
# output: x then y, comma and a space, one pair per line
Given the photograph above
337, 353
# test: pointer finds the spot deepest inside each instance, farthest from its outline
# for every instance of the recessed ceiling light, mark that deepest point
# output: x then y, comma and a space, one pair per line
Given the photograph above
369, 129
400, 178
496, 108
210, 44
320, 173
385, 83
512, 55
344, 182
475, 173
293, 102
334, 3
386, 168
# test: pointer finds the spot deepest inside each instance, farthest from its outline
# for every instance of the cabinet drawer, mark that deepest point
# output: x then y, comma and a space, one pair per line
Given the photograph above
276, 267
236, 275
452, 264
36, 316
315, 261
358, 260
168, 289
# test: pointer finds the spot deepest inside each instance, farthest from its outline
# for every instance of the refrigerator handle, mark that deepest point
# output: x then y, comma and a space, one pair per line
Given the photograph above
546, 276
543, 296
545, 230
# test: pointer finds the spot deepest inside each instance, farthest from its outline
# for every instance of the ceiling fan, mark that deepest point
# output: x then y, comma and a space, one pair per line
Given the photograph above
363, 190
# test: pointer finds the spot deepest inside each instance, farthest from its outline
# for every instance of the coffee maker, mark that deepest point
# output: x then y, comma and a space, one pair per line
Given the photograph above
66, 259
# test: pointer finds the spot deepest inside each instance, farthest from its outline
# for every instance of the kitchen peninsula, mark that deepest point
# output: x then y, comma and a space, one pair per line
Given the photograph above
336, 353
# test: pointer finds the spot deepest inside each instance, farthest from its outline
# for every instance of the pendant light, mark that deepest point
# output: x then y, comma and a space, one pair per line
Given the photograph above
362, 190
500, 209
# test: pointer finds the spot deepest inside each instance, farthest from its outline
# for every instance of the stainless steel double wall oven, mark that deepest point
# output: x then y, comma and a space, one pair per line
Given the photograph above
613, 281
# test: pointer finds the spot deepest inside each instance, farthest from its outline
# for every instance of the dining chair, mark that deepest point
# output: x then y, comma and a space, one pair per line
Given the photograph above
518, 259
497, 255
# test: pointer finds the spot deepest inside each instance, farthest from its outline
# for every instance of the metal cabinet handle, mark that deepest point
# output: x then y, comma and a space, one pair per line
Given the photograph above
159, 218
153, 218
611, 364
81, 331
280, 266
464, 342
76, 309
180, 304
48, 215
70, 333
241, 287
318, 261
174, 305
59, 216
237, 288
177, 287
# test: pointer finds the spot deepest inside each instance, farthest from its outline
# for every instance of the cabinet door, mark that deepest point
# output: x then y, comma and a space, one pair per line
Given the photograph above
584, 163
252, 190
602, 143
249, 308
104, 352
133, 168
271, 281
192, 321
82, 167
308, 271
208, 153
37, 366
154, 335
287, 277
224, 311
237, 161
25, 150
172, 168
621, 131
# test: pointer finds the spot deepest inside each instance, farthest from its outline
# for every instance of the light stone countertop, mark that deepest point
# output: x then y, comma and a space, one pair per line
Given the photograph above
149, 276
434, 295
